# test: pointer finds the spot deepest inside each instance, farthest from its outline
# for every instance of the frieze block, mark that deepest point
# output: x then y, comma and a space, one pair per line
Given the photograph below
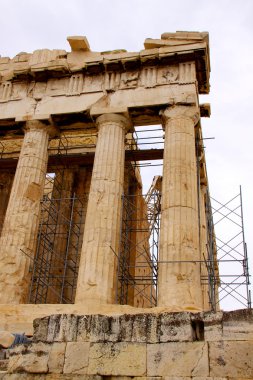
130, 79
166, 75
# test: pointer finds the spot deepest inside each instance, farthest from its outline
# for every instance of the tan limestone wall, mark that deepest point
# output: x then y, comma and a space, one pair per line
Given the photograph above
171, 346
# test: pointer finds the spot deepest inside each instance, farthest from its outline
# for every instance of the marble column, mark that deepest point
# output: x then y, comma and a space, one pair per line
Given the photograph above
204, 253
6, 180
97, 270
178, 274
19, 233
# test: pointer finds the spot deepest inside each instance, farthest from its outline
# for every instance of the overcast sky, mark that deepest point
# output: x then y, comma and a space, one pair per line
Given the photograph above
27, 25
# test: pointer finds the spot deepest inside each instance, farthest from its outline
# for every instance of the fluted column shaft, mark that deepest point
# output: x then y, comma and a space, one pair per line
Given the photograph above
6, 180
204, 254
178, 274
19, 234
97, 270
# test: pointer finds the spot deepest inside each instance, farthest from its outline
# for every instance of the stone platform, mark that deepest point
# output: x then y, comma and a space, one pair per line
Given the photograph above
170, 346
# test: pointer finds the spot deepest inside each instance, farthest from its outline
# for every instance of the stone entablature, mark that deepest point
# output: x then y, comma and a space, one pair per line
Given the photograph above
80, 83
48, 83
172, 47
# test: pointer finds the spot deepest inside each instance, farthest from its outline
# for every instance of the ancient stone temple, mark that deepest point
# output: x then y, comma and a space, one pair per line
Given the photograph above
111, 283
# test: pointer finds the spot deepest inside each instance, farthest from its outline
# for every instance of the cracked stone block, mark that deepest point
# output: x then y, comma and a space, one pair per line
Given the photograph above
104, 328
177, 359
32, 358
233, 359
209, 378
136, 378
53, 327
177, 378
153, 329
100, 328
238, 325
212, 324
62, 328
234, 378
192, 378
126, 325
117, 359
22, 376
83, 328
40, 326
147, 378
175, 327
68, 328
76, 358
37, 358
56, 357
139, 332
25, 376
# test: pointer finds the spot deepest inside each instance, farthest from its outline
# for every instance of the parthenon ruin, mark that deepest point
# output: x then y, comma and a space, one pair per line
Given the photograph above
75, 227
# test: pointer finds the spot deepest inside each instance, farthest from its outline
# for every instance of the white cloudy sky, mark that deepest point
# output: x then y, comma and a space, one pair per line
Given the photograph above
26, 25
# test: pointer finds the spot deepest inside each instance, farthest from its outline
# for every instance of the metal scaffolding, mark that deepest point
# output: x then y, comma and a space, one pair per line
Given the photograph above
139, 245
212, 279
55, 266
232, 257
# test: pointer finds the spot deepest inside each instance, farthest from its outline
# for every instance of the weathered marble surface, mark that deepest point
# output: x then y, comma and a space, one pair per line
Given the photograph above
169, 346
73, 90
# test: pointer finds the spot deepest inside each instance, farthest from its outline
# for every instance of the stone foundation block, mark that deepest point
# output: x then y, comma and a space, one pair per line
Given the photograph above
175, 327
232, 359
105, 329
194, 378
177, 359
32, 358
62, 328
25, 376
68, 328
84, 328
238, 325
138, 328
56, 357
76, 358
212, 324
119, 359
37, 358
53, 327
40, 328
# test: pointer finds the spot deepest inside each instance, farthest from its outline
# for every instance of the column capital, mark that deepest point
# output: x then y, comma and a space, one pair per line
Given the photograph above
120, 119
40, 125
180, 112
